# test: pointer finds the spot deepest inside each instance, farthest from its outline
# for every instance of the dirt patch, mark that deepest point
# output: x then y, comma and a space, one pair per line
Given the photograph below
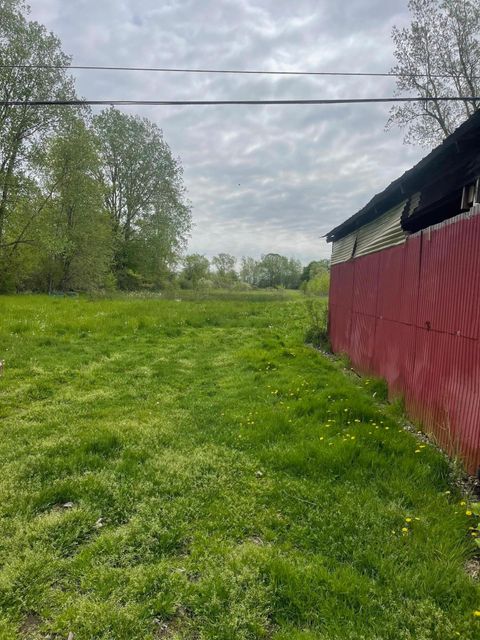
30, 626
472, 567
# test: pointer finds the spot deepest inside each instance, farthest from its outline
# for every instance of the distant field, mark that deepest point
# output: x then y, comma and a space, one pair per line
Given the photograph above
188, 469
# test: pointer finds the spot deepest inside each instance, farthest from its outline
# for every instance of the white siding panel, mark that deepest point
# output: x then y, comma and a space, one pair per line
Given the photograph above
385, 231
342, 249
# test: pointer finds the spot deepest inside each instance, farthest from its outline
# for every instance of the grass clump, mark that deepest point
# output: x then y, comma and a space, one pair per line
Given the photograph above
189, 469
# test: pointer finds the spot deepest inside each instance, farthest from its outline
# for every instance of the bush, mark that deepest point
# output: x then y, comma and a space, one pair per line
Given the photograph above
318, 286
317, 332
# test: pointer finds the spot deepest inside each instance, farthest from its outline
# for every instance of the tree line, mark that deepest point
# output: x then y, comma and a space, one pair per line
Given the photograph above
86, 201
270, 271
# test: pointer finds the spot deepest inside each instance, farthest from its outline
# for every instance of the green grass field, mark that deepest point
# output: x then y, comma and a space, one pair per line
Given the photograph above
190, 470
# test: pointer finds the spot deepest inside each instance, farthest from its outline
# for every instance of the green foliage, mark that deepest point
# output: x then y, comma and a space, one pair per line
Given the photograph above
196, 269
315, 268
317, 331
73, 194
144, 194
378, 387
319, 285
316, 278
273, 270
187, 467
79, 230
225, 274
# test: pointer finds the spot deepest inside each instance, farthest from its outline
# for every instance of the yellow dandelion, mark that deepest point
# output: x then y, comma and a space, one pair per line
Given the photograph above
417, 450
404, 530
468, 513
408, 519
476, 613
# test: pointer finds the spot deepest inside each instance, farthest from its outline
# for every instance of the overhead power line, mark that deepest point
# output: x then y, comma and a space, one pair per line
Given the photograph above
181, 103
385, 74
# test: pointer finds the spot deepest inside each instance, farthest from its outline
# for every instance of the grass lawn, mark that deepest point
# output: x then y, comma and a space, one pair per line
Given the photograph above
190, 470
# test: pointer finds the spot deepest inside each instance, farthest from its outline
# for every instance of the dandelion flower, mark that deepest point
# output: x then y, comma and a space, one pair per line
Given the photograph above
468, 513
408, 519
476, 613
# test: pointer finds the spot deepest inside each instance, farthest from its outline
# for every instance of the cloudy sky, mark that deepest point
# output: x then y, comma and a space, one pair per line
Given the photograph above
260, 178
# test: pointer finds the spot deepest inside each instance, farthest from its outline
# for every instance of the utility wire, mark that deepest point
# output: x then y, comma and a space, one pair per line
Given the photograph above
175, 103
388, 74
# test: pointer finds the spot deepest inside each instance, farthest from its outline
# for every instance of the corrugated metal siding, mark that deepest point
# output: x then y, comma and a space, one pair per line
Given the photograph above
341, 285
393, 357
385, 231
444, 246
342, 249
364, 295
340, 318
411, 314
362, 341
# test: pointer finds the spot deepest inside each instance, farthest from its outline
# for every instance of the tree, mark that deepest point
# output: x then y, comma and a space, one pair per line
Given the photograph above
249, 271
276, 270
195, 269
438, 55
24, 42
224, 265
144, 191
314, 268
77, 228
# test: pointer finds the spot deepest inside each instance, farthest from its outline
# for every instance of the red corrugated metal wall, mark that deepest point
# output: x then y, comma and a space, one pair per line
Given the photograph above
411, 314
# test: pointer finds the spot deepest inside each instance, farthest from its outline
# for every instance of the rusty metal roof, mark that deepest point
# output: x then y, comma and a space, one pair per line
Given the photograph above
439, 179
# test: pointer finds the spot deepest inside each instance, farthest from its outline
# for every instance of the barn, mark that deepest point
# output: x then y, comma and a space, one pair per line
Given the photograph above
405, 291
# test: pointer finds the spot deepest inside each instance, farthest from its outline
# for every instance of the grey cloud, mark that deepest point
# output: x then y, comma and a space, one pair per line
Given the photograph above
260, 178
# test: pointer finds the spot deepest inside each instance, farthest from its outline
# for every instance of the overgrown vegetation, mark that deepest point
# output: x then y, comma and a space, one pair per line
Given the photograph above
317, 330
189, 469
85, 203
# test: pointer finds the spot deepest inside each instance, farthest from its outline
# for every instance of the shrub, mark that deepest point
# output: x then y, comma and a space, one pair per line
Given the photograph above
317, 331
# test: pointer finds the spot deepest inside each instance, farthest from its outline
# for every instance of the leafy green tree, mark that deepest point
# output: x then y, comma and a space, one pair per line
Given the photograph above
314, 268
249, 271
144, 193
196, 268
276, 270
438, 55
319, 285
78, 237
225, 273
24, 42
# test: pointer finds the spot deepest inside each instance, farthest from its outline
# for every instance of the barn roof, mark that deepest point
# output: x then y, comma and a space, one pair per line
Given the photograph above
432, 188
